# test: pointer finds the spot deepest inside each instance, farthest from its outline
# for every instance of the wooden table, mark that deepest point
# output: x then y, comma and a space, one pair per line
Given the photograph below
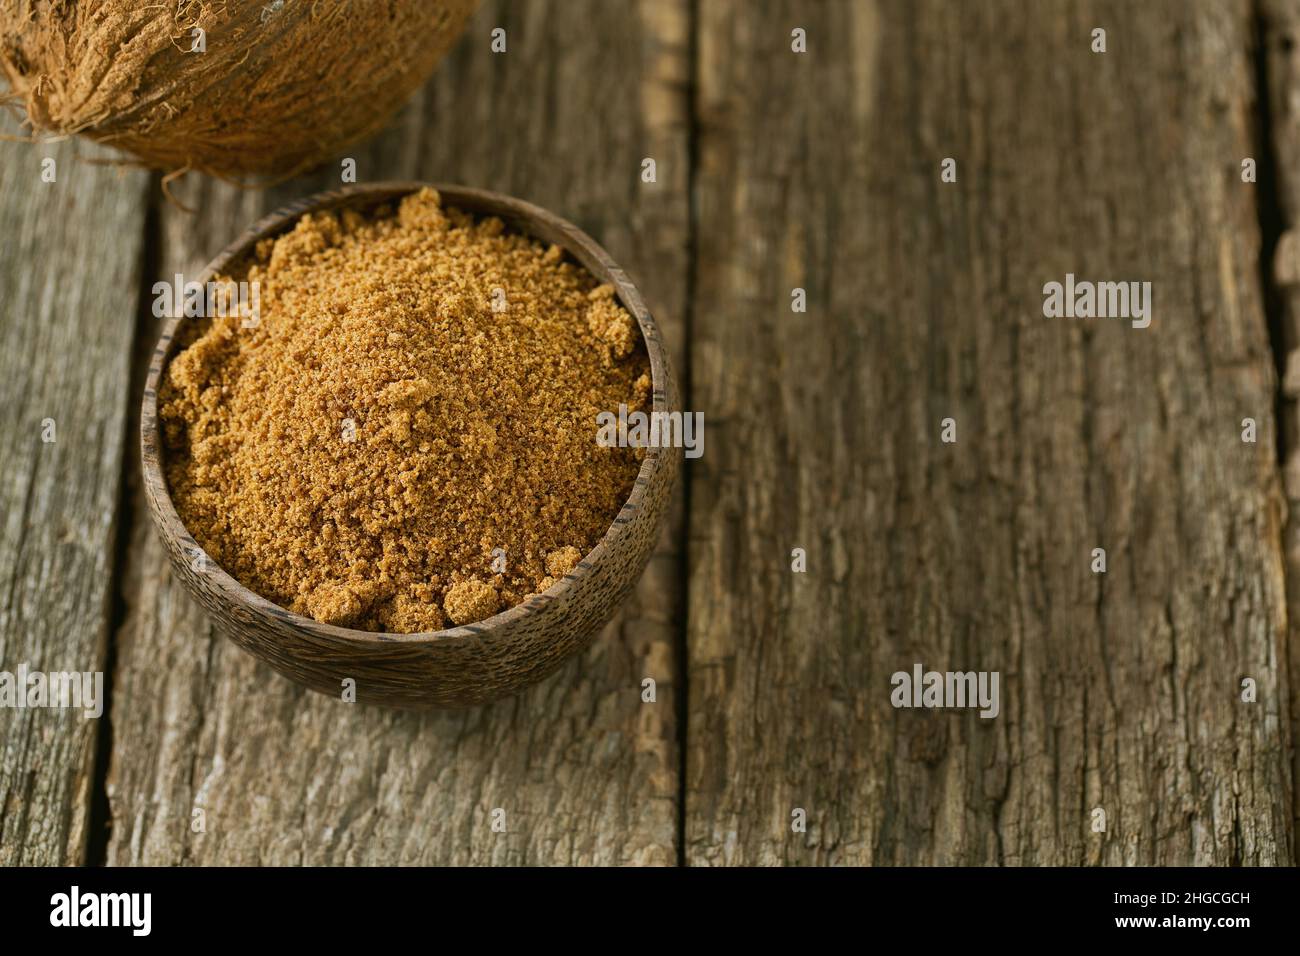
775, 170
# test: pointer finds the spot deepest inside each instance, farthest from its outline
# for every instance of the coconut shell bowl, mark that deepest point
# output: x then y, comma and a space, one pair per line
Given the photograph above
460, 666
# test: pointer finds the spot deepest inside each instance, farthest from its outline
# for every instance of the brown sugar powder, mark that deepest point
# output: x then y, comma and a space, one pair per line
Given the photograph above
407, 436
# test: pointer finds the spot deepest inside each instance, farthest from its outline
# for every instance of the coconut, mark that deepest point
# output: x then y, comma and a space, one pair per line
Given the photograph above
230, 87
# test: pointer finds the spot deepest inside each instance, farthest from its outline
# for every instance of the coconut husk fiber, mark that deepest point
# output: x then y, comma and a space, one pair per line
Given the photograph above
282, 85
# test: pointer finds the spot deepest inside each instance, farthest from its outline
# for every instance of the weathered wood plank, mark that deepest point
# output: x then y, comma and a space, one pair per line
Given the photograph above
585, 771
1280, 62
1119, 691
68, 289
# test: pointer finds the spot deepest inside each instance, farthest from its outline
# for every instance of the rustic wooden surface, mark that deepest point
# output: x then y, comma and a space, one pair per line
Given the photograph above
776, 170
69, 265
1119, 691
1279, 80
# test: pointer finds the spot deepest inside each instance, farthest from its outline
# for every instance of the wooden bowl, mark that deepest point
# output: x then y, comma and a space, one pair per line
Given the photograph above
463, 665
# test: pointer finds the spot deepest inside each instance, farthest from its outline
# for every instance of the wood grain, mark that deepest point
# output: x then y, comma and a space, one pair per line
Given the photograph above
68, 287
1119, 691
585, 771
1279, 108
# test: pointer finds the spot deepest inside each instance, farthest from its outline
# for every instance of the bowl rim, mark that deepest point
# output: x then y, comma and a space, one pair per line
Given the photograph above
521, 216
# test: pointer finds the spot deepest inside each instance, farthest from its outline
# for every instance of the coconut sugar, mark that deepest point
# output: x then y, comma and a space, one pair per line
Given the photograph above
406, 438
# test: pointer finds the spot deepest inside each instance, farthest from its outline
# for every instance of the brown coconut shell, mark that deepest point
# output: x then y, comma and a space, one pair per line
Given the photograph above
282, 85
